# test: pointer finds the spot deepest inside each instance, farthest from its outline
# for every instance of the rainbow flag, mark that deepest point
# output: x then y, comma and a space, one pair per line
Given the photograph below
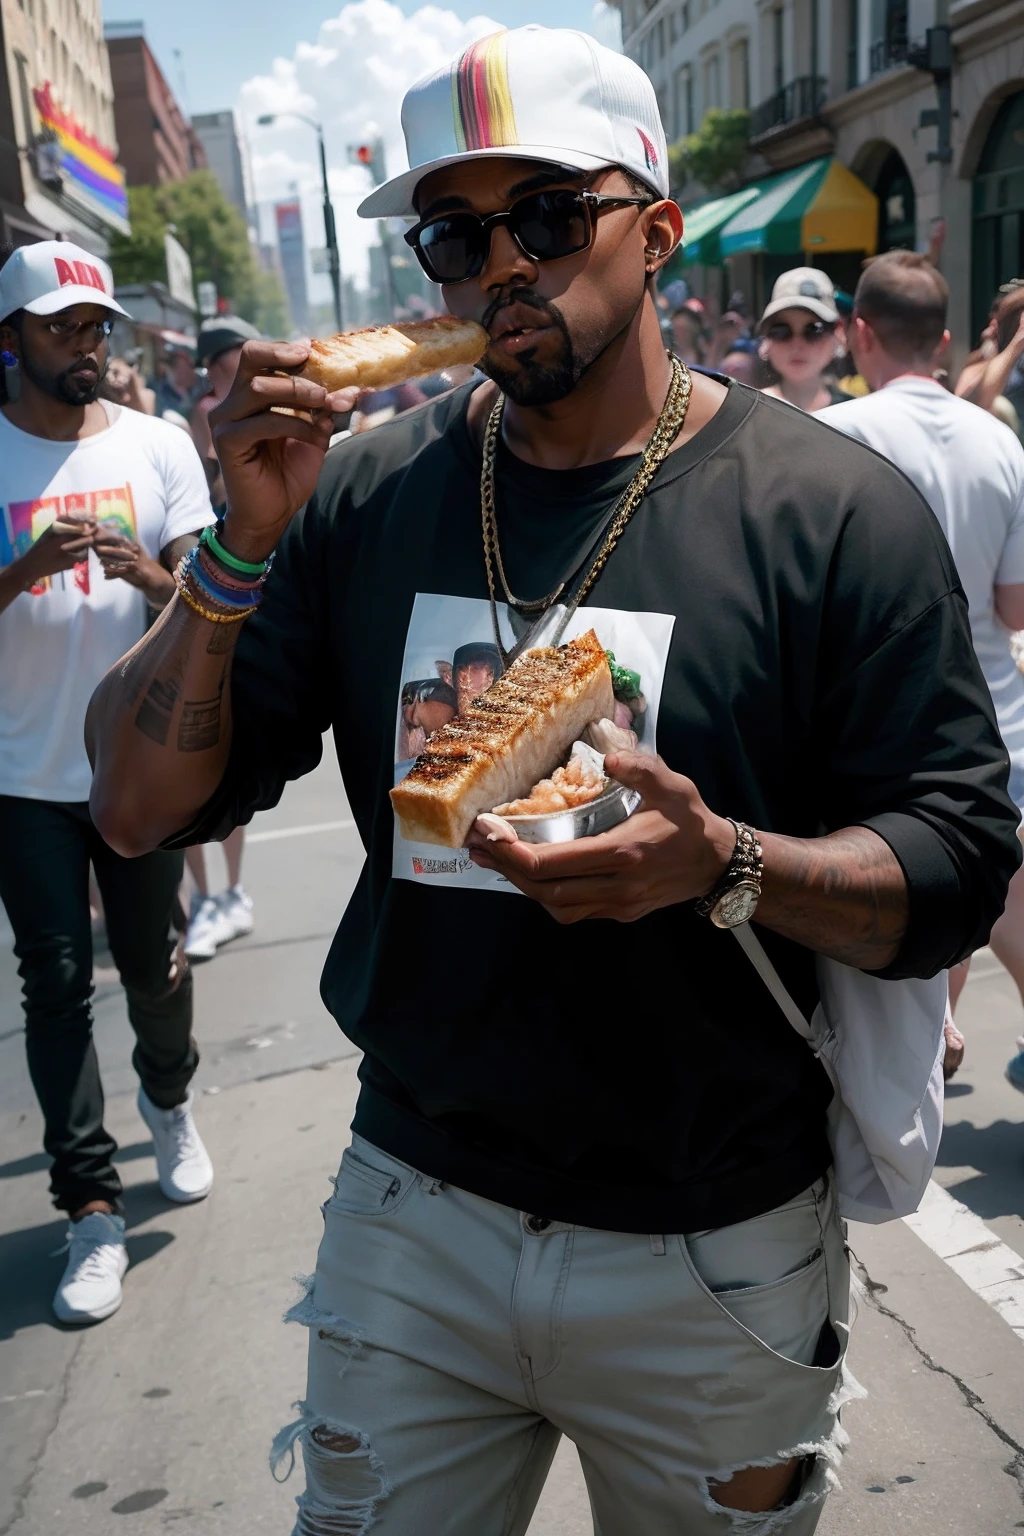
83, 160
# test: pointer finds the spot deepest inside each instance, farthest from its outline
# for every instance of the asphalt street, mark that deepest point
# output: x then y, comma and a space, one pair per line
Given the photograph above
160, 1419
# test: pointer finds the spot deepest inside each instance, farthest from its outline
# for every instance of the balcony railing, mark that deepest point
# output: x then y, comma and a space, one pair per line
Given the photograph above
801, 98
888, 53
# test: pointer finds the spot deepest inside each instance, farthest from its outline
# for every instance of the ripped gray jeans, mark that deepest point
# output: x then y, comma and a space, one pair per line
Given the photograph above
453, 1341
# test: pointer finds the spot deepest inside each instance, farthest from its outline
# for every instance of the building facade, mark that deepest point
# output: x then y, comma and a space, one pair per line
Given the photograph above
217, 132
291, 247
158, 144
59, 171
923, 101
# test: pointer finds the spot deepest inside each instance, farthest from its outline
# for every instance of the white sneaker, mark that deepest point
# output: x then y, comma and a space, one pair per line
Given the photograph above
207, 927
182, 1163
236, 910
90, 1287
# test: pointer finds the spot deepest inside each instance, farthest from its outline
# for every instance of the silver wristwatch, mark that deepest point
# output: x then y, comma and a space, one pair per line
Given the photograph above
733, 899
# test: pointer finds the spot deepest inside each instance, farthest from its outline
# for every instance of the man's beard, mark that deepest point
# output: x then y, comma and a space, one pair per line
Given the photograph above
538, 383
60, 386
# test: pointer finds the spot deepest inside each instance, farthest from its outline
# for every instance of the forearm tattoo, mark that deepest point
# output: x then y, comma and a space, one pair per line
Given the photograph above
157, 709
843, 895
199, 726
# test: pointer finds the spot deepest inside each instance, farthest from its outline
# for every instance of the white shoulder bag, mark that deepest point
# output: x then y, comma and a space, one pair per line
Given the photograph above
882, 1044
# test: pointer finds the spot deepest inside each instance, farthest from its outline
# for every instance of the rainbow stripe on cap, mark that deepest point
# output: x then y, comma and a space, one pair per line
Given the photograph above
482, 110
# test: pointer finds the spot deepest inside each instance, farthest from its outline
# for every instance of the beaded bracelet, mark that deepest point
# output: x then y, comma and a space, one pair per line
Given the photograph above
186, 573
206, 613
233, 563
226, 597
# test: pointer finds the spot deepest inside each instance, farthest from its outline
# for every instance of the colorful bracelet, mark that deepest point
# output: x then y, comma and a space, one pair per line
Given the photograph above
207, 613
225, 596
243, 567
229, 580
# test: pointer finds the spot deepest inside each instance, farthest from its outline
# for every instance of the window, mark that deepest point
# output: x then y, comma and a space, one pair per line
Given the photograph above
684, 101
661, 37
712, 83
684, 16
739, 74
778, 46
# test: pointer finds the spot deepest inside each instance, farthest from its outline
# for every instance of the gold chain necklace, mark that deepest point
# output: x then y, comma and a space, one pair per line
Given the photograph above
667, 428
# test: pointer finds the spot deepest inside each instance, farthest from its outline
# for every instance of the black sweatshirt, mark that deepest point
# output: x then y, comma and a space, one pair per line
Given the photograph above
803, 652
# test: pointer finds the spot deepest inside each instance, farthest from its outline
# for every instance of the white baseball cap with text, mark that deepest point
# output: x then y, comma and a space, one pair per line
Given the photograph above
535, 93
51, 275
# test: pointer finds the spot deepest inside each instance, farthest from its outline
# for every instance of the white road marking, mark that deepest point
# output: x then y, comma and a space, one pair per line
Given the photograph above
961, 1239
308, 830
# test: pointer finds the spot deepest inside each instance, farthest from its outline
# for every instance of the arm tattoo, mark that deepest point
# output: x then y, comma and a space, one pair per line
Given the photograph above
156, 709
199, 727
843, 895
223, 639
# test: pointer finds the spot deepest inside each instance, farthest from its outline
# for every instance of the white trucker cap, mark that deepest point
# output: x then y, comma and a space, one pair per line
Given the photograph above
52, 275
803, 288
536, 93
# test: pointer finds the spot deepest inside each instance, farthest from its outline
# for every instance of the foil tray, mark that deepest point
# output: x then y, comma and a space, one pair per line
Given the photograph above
613, 805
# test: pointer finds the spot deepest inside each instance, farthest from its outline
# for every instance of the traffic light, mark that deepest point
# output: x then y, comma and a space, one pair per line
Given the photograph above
370, 154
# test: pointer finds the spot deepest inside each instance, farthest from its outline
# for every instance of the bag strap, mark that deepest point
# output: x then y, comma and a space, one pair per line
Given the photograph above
752, 948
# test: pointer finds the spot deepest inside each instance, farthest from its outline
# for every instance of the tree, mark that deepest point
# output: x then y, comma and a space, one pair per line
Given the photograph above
214, 234
716, 155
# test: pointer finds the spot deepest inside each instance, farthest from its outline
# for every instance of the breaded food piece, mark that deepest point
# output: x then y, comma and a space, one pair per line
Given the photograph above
510, 737
381, 355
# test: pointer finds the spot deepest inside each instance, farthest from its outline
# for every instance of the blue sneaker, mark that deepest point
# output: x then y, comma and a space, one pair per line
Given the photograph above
1015, 1068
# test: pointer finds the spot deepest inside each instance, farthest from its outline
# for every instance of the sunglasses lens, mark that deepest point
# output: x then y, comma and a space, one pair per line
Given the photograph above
551, 224
451, 248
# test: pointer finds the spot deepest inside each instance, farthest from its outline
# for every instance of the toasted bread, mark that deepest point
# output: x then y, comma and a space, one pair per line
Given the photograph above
510, 737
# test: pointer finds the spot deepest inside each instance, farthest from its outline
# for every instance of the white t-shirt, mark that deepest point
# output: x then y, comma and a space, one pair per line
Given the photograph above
969, 468
141, 477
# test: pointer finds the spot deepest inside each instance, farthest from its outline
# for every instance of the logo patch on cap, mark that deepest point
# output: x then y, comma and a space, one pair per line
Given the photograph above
650, 153
809, 289
73, 274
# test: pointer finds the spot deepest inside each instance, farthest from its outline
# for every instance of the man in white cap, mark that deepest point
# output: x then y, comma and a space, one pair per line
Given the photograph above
97, 504
969, 467
589, 1190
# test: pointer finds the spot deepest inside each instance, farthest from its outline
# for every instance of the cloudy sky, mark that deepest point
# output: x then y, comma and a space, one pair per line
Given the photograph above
345, 67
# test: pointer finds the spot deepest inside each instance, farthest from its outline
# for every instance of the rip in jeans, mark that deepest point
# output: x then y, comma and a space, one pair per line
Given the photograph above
345, 1478
819, 1479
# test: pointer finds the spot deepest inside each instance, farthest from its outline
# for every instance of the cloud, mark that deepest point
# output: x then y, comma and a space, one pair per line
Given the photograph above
351, 79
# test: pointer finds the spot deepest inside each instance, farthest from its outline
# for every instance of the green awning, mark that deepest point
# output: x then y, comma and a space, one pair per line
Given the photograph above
702, 223
820, 206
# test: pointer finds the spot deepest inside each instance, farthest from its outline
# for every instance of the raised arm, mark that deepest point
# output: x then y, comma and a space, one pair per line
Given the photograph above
158, 728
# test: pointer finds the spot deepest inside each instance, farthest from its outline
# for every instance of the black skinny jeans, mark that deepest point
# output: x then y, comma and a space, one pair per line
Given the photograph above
45, 852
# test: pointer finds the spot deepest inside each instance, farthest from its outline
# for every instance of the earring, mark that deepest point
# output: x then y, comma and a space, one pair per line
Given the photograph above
8, 359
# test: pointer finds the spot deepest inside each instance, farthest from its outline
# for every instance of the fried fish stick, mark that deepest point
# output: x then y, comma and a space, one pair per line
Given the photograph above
382, 355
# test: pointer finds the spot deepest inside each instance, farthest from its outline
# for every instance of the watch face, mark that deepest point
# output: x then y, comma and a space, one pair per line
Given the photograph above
736, 906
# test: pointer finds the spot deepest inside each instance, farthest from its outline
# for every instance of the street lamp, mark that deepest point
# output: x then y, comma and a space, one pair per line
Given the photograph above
330, 232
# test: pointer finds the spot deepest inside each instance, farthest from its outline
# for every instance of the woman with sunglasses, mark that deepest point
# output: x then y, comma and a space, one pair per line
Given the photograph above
801, 337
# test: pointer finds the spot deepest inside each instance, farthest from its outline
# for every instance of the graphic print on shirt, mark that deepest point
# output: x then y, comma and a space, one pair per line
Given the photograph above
22, 523
450, 657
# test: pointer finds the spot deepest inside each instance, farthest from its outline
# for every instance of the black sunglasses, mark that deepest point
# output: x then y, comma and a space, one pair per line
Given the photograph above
453, 247
781, 330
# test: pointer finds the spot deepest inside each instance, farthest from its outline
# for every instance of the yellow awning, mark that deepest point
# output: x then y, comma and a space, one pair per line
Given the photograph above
820, 206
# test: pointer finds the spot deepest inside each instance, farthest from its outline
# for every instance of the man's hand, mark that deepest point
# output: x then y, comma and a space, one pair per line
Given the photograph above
124, 560
672, 849
270, 460
59, 548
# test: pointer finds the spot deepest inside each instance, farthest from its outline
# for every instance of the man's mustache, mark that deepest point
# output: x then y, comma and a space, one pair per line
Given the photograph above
523, 296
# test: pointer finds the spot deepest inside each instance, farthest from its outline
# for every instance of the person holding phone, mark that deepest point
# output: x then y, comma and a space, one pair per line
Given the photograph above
97, 506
